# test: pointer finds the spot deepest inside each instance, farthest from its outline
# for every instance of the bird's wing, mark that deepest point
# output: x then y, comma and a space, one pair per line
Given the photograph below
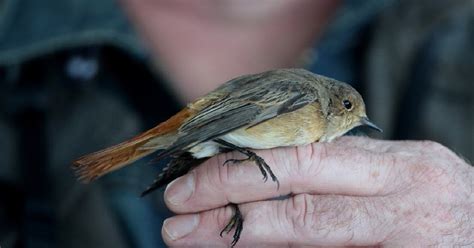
249, 101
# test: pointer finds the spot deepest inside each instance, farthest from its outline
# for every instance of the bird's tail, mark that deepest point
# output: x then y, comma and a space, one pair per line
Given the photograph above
94, 165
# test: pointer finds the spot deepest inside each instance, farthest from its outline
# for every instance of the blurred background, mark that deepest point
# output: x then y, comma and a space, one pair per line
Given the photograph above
79, 75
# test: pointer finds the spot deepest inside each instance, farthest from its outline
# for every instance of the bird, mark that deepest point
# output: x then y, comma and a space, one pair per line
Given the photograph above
275, 108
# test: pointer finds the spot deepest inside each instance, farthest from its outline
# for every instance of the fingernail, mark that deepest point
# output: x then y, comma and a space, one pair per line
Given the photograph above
180, 190
180, 226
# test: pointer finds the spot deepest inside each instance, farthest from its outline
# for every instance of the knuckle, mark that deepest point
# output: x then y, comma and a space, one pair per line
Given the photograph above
299, 212
317, 153
222, 216
217, 173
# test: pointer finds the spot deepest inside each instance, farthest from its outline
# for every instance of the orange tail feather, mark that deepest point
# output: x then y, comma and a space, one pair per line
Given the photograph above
97, 164
94, 165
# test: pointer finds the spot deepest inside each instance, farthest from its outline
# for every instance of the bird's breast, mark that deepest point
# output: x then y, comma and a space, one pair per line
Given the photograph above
300, 127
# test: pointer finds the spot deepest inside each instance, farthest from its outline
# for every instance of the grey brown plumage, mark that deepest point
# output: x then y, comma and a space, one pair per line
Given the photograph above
266, 104
244, 101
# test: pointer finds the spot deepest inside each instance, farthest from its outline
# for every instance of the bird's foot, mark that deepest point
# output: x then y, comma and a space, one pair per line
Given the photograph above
260, 162
251, 156
235, 222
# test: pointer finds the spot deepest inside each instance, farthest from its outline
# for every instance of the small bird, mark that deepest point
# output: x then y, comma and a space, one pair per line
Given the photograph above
283, 107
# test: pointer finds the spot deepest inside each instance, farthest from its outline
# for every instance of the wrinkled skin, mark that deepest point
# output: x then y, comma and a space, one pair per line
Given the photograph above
353, 191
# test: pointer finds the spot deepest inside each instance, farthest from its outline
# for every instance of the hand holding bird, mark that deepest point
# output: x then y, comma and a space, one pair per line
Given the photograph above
278, 108
354, 191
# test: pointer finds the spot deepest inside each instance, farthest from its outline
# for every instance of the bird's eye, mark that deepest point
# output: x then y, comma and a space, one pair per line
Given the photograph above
347, 104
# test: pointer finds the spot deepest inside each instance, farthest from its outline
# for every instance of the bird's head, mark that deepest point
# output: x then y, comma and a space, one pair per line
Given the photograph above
346, 111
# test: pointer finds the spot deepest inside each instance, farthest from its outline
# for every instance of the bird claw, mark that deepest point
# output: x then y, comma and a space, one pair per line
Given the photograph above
261, 165
235, 222
260, 162
264, 169
234, 161
252, 156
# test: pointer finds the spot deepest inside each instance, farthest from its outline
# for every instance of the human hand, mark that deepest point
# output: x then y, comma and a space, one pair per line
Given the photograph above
354, 191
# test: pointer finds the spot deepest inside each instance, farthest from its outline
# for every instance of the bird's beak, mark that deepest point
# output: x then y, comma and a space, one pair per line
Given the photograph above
366, 122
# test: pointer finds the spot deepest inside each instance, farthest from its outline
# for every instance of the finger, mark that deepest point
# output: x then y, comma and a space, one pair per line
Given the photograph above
329, 168
301, 220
